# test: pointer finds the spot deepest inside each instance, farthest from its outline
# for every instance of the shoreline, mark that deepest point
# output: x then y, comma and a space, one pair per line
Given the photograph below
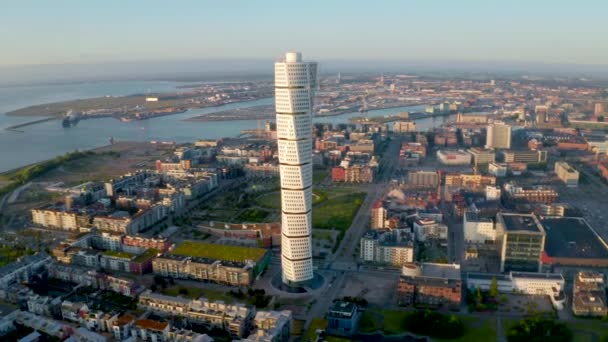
103, 148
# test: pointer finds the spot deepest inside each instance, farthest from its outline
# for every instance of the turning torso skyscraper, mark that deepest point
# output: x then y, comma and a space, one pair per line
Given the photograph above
295, 82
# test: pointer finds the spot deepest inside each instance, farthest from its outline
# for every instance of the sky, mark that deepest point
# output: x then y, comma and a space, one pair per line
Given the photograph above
34, 32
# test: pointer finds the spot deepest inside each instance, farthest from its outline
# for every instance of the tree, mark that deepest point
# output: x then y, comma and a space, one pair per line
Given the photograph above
494, 288
538, 328
478, 296
600, 118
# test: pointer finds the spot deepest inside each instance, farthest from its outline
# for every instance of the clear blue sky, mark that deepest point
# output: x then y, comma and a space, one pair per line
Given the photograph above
84, 31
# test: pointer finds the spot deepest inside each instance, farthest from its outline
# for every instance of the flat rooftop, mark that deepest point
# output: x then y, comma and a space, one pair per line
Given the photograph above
521, 222
488, 276
447, 271
572, 237
535, 275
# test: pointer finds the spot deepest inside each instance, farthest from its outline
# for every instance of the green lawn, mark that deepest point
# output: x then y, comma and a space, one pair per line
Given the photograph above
270, 200
195, 293
368, 323
337, 212
590, 326
394, 321
221, 252
11, 254
319, 175
322, 235
118, 254
254, 215
149, 253
311, 333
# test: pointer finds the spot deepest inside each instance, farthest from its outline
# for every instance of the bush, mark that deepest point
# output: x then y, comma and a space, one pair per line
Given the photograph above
434, 324
539, 328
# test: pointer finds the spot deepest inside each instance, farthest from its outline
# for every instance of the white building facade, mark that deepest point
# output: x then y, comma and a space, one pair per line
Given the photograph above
295, 83
478, 229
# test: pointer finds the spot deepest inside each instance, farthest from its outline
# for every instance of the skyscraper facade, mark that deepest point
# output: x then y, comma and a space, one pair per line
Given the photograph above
498, 135
295, 83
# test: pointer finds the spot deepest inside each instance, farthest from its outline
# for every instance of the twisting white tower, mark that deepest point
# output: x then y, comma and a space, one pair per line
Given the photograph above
294, 83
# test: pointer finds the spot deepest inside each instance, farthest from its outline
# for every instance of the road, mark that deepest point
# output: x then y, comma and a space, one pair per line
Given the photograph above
346, 257
344, 261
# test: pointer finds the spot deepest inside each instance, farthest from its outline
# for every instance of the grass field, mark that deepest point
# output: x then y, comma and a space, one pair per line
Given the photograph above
270, 200
221, 252
337, 212
368, 323
590, 327
311, 333
254, 215
118, 254
152, 252
319, 175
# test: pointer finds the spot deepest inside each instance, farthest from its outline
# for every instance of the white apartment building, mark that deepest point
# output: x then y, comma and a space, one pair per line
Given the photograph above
566, 173
295, 83
395, 248
492, 193
429, 229
478, 229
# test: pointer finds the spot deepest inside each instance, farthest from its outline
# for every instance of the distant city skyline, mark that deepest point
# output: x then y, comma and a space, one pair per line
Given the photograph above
514, 32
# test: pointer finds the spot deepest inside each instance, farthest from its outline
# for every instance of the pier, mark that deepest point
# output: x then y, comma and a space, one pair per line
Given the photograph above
15, 128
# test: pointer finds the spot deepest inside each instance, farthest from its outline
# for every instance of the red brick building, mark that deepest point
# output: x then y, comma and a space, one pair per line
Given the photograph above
430, 284
338, 174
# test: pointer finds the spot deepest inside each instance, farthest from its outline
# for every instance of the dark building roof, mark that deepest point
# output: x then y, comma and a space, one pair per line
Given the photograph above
521, 222
572, 237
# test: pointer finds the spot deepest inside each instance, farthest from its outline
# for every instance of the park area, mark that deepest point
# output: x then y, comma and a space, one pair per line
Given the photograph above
219, 252
427, 323
333, 208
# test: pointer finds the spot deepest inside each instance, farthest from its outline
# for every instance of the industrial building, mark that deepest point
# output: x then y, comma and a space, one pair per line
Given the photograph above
454, 157
571, 241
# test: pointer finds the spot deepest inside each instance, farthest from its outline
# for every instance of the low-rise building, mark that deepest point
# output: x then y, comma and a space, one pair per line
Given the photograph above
395, 248
271, 326
23, 269
469, 181
482, 156
224, 272
589, 294
532, 194
343, 318
528, 283
454, 157
423, 178
497, 169
566, 173
236, 319
430, 284
524, 156
150, 330
429, 229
